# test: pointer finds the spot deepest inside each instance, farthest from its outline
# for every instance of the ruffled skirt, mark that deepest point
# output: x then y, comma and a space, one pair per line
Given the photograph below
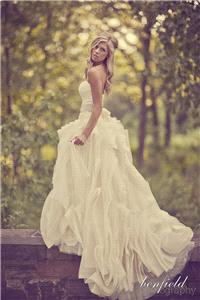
101, 208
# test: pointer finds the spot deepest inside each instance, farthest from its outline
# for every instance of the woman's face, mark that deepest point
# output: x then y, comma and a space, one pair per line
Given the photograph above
99, 52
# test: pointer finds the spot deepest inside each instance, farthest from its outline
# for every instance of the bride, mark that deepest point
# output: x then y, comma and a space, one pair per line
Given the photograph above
101, 207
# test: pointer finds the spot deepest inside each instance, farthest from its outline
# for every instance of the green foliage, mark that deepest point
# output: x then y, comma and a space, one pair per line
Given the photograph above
174, 176
26, 177
180, 61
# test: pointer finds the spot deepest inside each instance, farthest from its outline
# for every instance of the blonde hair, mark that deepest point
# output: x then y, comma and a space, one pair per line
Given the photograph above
112, 44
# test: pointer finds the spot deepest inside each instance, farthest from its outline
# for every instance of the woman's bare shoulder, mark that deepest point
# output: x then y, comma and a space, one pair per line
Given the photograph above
97, 71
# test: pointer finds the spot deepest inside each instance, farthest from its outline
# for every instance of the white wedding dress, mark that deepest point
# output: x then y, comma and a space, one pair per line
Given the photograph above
101, 207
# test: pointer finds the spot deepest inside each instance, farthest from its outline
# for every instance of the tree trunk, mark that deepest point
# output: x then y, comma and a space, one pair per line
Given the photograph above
46, 53
7, 49
167, 121
155, 120
8, 79
142, 116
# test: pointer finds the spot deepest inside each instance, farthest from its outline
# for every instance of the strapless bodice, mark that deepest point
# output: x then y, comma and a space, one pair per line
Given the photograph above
86, 96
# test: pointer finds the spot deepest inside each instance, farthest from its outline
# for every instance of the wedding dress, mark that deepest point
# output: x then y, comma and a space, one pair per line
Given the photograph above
101, 208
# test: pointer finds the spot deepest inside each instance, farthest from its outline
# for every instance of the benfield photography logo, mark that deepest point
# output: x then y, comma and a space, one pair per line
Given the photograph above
167, 287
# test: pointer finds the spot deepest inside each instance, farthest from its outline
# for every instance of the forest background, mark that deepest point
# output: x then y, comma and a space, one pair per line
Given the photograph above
155, 94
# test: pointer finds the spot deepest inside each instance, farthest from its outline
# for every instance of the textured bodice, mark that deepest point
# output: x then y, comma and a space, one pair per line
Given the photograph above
86, 96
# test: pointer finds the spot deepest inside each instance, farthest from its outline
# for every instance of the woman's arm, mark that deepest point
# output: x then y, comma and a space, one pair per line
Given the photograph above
95, 78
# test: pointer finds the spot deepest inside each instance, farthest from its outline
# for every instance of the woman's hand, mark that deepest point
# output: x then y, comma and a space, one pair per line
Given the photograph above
79, 140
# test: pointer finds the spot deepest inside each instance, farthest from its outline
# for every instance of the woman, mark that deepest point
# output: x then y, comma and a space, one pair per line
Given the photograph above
101, 207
